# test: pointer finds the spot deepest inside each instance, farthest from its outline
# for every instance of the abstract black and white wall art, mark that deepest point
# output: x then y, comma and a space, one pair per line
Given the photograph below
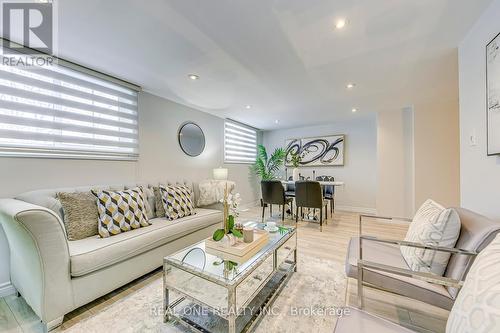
317, 151
493, 92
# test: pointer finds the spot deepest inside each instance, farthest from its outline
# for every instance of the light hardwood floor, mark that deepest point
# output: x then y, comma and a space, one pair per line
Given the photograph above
331, 244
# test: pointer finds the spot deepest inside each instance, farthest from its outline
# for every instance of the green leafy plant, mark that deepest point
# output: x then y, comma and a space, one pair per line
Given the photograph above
220, 233
267, 167
283, 230
230, 203
295, 159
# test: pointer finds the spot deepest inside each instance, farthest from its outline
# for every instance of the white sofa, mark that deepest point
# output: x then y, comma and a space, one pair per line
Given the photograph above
56, 276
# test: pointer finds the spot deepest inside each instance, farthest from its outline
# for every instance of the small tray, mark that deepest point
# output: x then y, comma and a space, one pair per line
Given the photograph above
240, 249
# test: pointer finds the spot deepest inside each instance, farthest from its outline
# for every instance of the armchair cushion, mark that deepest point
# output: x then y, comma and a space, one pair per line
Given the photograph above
432, 225
358, 321
391, 255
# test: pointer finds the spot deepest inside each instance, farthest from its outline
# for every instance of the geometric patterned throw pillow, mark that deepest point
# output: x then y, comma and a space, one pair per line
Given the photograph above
177, 201
121, 211
434, 225
477, 307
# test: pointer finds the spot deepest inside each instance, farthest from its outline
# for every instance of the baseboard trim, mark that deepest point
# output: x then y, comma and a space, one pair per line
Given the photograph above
7, 289
354, 209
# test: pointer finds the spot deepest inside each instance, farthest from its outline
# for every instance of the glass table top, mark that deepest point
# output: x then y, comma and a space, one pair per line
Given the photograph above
197, 259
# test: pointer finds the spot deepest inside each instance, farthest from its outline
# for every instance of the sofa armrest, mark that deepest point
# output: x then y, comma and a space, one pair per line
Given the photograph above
40, 260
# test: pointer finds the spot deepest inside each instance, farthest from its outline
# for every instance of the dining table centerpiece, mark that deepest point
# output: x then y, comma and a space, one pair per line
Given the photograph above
229, 233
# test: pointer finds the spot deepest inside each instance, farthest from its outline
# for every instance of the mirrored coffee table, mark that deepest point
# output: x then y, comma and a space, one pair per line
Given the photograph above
216, 294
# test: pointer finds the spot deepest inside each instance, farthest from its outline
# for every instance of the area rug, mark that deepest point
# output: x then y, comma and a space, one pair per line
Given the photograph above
312, 299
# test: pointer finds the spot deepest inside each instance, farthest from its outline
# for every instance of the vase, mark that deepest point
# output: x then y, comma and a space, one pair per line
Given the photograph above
228, 240
295, 174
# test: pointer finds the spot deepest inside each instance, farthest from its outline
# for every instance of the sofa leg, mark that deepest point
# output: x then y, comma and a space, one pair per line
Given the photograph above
51, 325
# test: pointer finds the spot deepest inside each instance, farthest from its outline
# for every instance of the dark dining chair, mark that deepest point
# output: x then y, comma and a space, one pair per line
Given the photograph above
290, 189
328, 191
273, 193
308, 194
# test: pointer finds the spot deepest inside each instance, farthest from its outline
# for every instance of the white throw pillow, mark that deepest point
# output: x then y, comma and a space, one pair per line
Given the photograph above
477, 308
432, 225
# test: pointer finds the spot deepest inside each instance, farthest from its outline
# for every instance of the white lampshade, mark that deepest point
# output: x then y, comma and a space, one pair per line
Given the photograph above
220, 174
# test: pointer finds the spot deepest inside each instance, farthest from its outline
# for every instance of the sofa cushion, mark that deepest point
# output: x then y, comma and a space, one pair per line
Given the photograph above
120, 211
177, 201
390, 255
432, 225
80, 214
93, 253
160, 210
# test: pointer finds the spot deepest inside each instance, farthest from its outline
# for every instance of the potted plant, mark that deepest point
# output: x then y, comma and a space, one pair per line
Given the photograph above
228, 233
295, 159
266, 167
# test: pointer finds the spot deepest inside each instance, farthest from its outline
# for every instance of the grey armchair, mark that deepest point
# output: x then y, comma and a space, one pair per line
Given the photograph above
479, 293
392, 274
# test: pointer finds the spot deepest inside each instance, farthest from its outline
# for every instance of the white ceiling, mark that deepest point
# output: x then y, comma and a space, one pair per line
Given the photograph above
283, 57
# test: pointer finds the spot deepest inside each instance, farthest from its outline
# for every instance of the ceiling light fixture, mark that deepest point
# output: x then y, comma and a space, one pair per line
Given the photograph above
354, 110
350, 85
340, 24
193, 77
277, 121
248, 107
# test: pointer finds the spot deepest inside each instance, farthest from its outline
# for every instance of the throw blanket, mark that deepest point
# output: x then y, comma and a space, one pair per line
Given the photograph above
212, 191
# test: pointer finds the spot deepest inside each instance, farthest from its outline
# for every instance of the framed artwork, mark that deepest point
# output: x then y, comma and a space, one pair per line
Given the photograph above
317, 151
493, 96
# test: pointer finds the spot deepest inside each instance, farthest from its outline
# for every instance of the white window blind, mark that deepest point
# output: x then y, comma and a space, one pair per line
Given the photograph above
59, 112
240, 143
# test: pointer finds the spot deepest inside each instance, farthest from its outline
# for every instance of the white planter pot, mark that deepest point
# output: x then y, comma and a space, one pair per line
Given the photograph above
228, 240
295, 174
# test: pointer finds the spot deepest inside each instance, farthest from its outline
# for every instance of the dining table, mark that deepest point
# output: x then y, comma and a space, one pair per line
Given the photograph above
322, 183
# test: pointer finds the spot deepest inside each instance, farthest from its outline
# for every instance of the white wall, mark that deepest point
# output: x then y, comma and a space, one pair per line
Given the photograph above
396, 161
360, 170
161, 159
480, 174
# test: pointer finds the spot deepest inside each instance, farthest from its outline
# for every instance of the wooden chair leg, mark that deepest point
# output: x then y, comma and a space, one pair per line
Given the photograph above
283, 213
263, 211
296, 215
271, 209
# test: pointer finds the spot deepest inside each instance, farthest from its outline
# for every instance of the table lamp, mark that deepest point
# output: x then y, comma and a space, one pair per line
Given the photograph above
220, 174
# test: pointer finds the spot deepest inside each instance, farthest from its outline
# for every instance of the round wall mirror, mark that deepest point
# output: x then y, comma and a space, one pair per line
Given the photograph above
191, 139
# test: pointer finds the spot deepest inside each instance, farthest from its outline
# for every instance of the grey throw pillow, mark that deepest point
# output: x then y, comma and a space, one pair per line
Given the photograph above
80, 214
160, 210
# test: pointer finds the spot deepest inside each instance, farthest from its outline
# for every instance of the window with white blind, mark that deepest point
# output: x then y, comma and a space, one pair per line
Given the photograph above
60, 112
240, 143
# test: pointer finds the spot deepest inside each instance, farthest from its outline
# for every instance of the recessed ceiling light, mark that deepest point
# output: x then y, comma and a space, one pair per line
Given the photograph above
354, 110
277, 121
248, 107
341, 23
193, 76
350, 85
